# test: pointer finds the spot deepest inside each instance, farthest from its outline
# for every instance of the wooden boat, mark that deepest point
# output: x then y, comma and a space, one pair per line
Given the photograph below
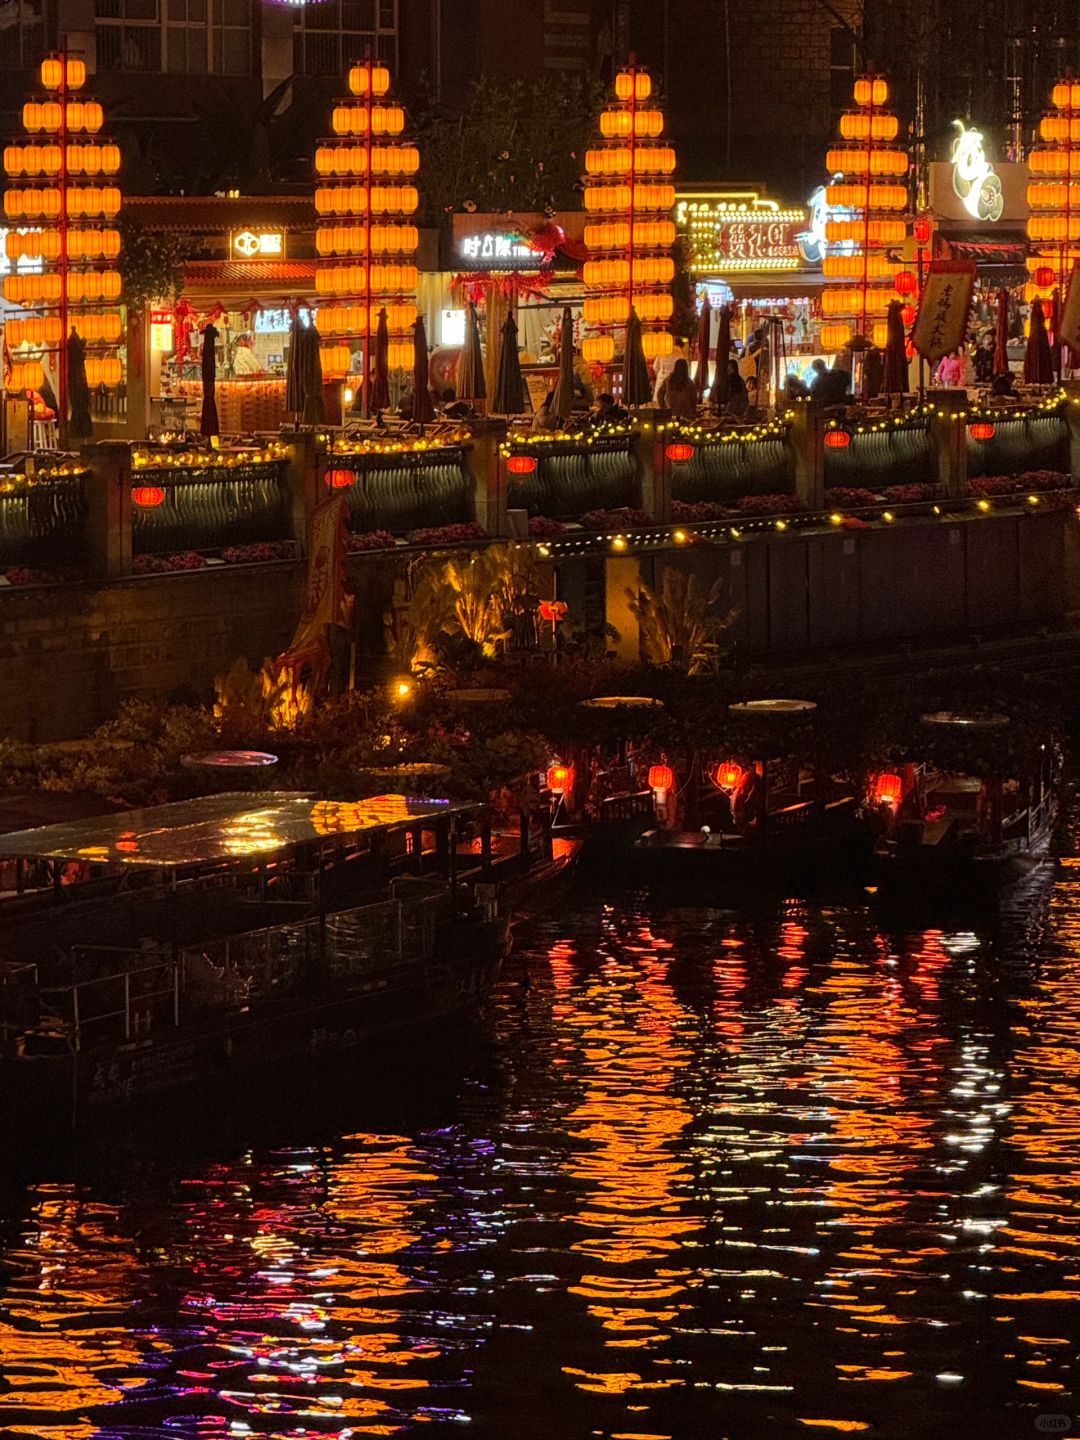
151, 949
972, 810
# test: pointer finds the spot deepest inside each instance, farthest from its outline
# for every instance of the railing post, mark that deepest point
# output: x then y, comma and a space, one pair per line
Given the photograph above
806, 439
485, 464
948, 443
108, 501
654, 473
302, 480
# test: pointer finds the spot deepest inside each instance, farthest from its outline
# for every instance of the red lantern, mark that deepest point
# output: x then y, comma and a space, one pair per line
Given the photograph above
521, 464
679, 452
340, 479
922, 230
907, 314
559, 778
1044, 277
837, 439
553, 611
147, 497
982, 430
905, 283
888, 789
661, 777
728, 775
1047, 309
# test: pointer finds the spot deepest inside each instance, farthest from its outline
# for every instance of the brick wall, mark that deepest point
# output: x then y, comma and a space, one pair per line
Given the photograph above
70, 654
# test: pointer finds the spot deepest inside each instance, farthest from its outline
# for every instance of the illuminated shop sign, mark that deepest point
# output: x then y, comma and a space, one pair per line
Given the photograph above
814, 242
494, 250
975, 181
740, 230
257, 244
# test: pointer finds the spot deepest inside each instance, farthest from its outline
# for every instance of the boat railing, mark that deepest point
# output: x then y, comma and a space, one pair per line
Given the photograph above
127, 995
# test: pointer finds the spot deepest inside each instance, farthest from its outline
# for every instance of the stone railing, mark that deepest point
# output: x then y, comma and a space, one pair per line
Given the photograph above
42, 522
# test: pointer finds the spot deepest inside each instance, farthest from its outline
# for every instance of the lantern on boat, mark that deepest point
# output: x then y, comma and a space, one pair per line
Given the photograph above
661, 777
559, 778
728, 775
888, 789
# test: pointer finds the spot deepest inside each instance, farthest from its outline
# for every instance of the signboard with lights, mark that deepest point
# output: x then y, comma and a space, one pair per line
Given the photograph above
257, 244
740, 230
496, 250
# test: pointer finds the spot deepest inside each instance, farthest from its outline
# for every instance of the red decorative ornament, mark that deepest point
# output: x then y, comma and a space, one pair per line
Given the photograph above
559, 778
679, 451
553, 611
147, 497
837, 439
521, 464
907, 315
922, 229
661, 777
1044, 277
888, 789
982, 430
1047, 309
905, 283
728, 775
340, 479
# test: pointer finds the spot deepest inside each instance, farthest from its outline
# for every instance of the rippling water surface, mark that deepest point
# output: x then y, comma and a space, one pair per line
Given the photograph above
793, 1170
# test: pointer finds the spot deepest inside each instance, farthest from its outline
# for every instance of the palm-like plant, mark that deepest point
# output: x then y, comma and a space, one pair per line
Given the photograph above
677, 627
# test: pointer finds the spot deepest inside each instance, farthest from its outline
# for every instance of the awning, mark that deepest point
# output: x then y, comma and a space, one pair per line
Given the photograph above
786, 285
223, 212
996, 247
214, 278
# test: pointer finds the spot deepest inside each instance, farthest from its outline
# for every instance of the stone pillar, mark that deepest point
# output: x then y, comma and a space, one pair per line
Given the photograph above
108, 499
654, 473
622, 573
488, 474
806, 439
948, 442
1072, 420
303, 480
137, 420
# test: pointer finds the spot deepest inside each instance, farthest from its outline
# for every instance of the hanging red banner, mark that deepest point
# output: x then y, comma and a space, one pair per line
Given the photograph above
942, 322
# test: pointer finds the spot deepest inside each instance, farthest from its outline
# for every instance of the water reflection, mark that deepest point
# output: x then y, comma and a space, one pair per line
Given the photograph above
725, 1173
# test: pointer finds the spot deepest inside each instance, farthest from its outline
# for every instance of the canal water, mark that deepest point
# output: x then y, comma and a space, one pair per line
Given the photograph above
783, 1168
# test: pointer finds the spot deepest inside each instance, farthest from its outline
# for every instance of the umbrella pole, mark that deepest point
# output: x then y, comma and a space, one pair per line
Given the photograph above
62, 358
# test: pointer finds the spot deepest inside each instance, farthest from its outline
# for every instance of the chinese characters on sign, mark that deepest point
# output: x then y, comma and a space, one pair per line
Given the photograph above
740, 230
260, 244
942, 321
758, 241
495, 250
1070, 315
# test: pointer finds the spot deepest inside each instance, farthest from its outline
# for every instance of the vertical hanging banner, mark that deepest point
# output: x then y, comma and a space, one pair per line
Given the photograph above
942, 322
1070, 315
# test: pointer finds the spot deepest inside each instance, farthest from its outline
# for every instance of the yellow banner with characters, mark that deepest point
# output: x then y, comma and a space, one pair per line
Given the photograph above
942, 322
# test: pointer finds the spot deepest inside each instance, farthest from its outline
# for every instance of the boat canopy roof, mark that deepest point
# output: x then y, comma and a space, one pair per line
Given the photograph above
213, 828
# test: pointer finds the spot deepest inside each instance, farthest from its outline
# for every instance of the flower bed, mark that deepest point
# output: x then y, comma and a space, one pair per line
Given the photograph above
168, 564
1032, 480
370, 540
625, 518
448, 534
543, 528
24, 575
260, 552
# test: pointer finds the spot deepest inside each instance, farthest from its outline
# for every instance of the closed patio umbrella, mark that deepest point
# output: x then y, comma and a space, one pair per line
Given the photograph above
704, 336
894, 374
470, 371
208, 420
562, 402
313, 408
1055, 333
1001, 334
379, 398
509, 388
423, 407
723, 357
294, 388
637, 389
1038, 362
81, 425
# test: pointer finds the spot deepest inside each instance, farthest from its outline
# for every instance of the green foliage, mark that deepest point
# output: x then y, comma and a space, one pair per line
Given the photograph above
511, 147
151, 264
677, 627
684, 318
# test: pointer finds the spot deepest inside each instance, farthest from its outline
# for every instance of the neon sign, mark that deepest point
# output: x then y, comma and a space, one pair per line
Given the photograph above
975, 181
252, 244
739, 230
494, 250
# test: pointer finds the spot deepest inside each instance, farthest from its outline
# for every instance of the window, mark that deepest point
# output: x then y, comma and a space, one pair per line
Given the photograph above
128, 34
330, 37
22, 33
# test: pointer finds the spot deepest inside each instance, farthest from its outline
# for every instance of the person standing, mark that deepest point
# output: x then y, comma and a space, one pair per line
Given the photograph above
679, 393
664, 365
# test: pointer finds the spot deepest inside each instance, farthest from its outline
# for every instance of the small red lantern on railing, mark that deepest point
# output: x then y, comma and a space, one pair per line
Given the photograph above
921, 230
661, 777
340, 479
982, 430
559, 778
905, 283
728, 775
679, 451
888, 789
837, 439
148, 497
1044, 277
521, 464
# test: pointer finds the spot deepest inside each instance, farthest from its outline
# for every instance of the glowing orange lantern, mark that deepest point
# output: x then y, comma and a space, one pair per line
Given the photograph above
982, 430
888, 789
1044, 277
679, 451
728, 775
661, 777
340, 479
521, 464
148, 497
559, 778
922, 229
905, 283
837, 439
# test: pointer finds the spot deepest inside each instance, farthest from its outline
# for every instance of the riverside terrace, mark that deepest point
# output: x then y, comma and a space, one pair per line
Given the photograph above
147, 569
